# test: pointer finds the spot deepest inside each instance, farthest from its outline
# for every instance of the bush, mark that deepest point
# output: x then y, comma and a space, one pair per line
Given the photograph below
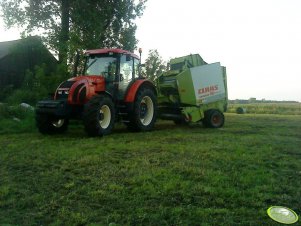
4, 113
6, 92
23, 96
37, 85
16, 119
9, 112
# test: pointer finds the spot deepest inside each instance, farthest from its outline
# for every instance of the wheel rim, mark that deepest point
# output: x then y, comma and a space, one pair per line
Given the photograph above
105, 116
146, 110
58, 123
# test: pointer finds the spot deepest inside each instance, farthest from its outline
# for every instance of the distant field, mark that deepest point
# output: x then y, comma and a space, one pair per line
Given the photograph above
268, 108
175, 175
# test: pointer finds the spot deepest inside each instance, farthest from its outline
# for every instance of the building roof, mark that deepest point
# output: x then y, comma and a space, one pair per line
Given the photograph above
18, 56
5, 47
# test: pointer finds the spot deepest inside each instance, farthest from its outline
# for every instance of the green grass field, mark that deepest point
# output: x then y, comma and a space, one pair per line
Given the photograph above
268, 108
175, 175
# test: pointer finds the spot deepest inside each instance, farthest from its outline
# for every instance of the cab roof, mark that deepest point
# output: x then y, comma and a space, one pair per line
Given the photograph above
104, 51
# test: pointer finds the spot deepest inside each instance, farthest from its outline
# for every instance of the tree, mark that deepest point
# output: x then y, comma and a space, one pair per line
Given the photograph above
154, 65
38, 84
67, 25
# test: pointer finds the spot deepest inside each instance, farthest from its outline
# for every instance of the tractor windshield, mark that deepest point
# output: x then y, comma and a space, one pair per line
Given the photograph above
102, 65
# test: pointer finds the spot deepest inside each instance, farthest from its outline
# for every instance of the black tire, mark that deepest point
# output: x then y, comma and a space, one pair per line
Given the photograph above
49, 124
99, 116
144, 114
214, 119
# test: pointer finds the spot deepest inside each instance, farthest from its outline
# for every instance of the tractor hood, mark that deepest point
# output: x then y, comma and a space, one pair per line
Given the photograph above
78, 90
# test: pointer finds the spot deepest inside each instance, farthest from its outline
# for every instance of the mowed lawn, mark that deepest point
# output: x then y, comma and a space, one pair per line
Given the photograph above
175, 175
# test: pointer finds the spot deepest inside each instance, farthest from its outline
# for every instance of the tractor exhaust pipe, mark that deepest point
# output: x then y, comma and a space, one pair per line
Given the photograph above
140, 65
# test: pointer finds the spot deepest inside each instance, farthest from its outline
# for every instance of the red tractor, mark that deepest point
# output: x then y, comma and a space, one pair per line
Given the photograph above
111, 89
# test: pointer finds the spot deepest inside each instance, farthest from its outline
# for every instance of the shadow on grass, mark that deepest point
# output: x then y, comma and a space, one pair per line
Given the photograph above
76, 129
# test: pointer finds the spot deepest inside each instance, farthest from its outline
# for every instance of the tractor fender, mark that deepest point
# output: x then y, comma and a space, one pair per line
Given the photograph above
84, 89
73, 97
131, 93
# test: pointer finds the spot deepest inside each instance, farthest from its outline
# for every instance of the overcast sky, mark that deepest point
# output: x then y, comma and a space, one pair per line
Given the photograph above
259, 41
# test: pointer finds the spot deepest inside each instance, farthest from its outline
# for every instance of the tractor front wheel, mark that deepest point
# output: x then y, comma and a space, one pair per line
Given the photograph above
214, 119
143, 116
48, 124
99, 116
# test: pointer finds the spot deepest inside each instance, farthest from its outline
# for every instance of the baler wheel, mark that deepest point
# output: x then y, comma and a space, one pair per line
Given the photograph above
214, 119
99, 116
48, 124
144, 114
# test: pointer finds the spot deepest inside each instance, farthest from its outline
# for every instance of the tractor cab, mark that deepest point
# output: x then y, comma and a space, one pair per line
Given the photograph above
118, 68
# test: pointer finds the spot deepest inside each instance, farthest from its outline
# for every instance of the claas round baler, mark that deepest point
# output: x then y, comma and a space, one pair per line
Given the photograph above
193, 91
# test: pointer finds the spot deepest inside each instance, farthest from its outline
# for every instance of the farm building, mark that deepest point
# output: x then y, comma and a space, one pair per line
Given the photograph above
18, 56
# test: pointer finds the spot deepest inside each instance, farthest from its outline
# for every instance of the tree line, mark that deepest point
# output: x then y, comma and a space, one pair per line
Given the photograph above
69, 26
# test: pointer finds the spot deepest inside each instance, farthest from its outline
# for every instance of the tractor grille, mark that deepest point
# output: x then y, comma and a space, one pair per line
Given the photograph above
63, 91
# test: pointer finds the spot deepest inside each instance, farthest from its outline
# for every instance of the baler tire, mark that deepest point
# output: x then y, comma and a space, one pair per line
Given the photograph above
145, 101
48, 124
99, 116
214, 119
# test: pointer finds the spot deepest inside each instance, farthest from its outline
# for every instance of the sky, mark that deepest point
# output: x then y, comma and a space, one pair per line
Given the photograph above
259, 41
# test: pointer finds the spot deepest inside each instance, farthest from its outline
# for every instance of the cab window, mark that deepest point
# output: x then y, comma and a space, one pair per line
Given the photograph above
136, 67
102, 65
126, 68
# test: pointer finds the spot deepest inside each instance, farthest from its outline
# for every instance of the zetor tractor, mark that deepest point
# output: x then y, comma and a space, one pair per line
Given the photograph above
111, 89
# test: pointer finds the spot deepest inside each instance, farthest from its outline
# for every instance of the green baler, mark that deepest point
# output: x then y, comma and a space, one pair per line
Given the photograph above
193, 91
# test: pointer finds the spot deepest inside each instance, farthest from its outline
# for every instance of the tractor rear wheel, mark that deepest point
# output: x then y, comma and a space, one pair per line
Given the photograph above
99, 116
143, 116
214, 119
48, 124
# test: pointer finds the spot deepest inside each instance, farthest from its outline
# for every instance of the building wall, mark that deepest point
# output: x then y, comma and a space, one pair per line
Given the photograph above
24, 55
